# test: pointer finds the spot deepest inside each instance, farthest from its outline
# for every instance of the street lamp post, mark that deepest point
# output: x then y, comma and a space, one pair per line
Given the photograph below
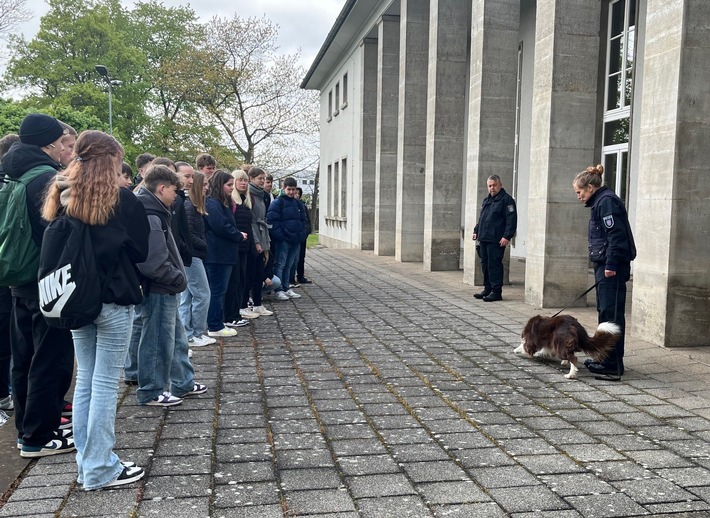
103, 72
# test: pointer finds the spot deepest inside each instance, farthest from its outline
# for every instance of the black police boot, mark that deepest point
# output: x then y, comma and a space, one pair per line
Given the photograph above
492, 297
482, 294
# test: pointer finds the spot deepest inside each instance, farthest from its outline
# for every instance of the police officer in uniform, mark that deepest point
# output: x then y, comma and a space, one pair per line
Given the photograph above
496, 227
611, 250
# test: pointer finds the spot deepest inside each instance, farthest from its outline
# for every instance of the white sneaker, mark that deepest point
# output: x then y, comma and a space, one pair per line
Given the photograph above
261, 310
189, 353
292, 294
225, 331
197, 341
281, 295
208, 340
248, 313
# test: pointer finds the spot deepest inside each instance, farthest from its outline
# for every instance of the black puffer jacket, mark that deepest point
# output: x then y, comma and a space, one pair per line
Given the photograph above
181, 230
197, 230
243, 217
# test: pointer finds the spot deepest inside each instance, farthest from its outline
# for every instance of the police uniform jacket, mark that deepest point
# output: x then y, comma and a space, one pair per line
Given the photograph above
498, 219
610, 239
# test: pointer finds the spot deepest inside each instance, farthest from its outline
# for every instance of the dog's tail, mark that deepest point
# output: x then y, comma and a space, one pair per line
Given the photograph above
602, 343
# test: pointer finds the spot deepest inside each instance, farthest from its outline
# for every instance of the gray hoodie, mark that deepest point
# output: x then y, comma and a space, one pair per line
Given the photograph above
163, 268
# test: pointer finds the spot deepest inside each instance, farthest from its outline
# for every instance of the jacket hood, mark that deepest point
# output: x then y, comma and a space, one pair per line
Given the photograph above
20, 158
151, 202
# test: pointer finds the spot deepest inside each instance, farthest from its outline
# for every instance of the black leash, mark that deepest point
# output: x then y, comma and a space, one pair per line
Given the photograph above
578, 298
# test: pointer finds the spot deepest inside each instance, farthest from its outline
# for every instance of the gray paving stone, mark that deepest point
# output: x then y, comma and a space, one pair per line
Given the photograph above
178, 486
606, 506
64, 479
190, 465
504, 476
371, 486
592, 452
484, 457
302, 459
477, 510
322, 501
243, 452
242, 435
183, 447
434, 471
388, 507
242, 472
652, 491
538, 498
367, 465
347, 447
176, 508
418, 452
242, 495
120, 502
300, 479
576, 484
659, 459
453, 493
38, 493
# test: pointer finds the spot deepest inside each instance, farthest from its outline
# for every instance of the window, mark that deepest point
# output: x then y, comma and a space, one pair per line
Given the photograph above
620, 56
337, 99
330, 190
343, 188
304, 182
345, 90
330, 105
336, 189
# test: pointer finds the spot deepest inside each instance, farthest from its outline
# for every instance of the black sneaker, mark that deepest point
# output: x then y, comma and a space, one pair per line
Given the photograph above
303, 280
492, 297
59, 444
482, 294
128, 475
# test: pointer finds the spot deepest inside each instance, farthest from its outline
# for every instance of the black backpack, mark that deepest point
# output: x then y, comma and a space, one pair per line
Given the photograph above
70, 293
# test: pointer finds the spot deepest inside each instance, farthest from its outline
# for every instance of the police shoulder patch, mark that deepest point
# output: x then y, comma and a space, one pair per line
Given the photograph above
608, 221
511, 208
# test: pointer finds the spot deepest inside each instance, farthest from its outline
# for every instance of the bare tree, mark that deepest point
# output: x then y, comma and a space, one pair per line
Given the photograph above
12, 12
252, 94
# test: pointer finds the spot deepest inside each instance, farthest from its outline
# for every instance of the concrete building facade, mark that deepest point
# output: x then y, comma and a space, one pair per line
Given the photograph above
422, 100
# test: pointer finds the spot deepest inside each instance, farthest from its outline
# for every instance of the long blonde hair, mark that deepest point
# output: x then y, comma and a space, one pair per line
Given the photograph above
197, 193
93, 176
236, 195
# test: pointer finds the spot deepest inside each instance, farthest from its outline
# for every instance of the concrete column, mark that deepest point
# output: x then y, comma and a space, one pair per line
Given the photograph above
671, 296
368, 130
562, 144
492, 100
386, 134
449, 26
411, 133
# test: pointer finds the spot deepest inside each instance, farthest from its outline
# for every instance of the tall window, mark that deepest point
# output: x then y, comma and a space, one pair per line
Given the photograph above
345, 90
337, 99
621, 51
330, 189
330, 105
344, 188
336, 189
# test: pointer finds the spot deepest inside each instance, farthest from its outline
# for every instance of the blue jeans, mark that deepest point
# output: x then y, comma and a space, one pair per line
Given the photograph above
100, 352
195, 300
130, 369
182, 374
286, 257
157, 344
218, 275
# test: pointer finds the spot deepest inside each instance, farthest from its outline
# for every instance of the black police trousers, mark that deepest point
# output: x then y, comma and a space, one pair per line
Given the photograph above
492, 266
611, 304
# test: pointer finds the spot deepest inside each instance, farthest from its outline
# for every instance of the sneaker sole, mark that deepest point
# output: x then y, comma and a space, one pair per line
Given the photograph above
155, 403
45, 453
194, 393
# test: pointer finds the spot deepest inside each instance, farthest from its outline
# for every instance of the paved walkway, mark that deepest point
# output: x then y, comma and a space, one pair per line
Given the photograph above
388, 391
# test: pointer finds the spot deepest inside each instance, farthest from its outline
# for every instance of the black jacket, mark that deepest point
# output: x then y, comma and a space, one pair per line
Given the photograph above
181, 229
19, 159
196, 223
610, 238
498, 219
120, 245
243, 218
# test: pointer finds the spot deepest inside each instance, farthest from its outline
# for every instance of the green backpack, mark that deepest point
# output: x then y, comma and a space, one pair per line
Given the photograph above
19, 254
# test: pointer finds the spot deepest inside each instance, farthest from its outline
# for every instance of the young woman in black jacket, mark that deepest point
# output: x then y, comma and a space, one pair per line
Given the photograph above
88, 190
195, 300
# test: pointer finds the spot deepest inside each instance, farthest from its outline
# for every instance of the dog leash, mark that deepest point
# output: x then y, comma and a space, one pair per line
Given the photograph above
575, 300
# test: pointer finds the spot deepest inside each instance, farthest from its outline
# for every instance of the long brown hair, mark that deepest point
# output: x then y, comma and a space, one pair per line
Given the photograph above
93, 176
197, 193
216, 190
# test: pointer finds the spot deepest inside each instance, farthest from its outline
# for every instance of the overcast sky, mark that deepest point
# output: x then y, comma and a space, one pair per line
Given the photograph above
302, 24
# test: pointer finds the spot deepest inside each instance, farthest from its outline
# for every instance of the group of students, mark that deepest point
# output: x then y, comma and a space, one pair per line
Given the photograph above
180, 258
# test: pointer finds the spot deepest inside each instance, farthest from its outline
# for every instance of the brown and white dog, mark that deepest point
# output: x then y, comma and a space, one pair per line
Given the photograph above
563, 336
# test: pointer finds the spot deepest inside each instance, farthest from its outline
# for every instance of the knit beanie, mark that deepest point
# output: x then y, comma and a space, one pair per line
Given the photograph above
40, 130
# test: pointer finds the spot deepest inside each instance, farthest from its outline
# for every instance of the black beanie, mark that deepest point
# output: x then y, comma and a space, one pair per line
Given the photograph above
40, 130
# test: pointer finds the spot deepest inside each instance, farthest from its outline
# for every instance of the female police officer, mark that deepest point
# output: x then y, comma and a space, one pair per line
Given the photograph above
611, 250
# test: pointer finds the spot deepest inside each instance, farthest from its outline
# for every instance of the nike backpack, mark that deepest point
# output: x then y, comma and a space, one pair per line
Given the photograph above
70, 293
